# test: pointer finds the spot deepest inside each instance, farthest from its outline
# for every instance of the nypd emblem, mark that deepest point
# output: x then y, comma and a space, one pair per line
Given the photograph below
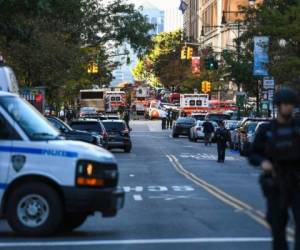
18, 162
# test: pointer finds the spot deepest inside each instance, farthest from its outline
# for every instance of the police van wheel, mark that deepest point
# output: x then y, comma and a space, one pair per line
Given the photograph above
73, 220
34, 209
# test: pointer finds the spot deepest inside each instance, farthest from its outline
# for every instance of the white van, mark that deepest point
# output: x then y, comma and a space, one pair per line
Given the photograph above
8, 80
47, 183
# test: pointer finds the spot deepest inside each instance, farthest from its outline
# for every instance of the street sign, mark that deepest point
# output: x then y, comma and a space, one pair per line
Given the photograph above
261, 55
268, 83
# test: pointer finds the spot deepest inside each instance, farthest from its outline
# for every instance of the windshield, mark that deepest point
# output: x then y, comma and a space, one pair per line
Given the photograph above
251, 127
88, 126
114, 126
29, 119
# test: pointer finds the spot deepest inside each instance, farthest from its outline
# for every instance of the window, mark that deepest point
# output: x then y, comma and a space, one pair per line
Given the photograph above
192, 103
6, 131
199, 103
112, 98
92, 95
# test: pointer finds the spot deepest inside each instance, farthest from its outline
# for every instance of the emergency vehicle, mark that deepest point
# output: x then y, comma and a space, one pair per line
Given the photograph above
190, 103
93, 98
114, 100
48, 183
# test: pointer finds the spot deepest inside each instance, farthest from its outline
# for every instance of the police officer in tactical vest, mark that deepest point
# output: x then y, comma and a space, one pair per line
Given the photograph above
276, 149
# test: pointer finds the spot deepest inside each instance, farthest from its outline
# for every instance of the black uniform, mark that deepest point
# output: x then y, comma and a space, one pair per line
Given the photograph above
208, 129
280, 144
222, 137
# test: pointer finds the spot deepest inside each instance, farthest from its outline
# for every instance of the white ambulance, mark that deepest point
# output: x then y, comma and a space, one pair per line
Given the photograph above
48, 183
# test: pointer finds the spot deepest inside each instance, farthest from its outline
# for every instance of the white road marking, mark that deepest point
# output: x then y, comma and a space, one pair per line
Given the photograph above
168, 197
137, 197
135, 242
175, 188
204, 156
131, 175
136, 189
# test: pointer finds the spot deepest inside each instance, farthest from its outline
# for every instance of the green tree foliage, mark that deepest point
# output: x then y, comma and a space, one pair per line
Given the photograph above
162, 63
280, 20
50, 42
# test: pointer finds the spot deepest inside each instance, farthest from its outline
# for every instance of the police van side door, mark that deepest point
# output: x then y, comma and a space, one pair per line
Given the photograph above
7, 136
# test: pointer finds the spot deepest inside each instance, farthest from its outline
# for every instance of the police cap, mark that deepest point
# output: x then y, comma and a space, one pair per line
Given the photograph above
286, 95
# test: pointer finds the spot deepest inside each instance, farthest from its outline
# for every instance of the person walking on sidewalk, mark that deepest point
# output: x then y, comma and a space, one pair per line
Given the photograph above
222, 137
208, 129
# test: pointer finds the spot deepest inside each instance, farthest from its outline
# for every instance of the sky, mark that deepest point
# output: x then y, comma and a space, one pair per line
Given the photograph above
162, 4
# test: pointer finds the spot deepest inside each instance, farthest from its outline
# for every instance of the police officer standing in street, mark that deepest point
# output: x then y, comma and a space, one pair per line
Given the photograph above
222, 137
276, 149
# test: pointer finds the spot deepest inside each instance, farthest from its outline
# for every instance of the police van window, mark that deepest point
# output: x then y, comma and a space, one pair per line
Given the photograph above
29, 119
7, 132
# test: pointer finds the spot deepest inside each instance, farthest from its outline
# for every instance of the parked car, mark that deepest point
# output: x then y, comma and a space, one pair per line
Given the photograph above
92, 126
88, 112
75, 135
182, 126
217, 117
241, 130
199, 116
196, 132
247, 136
118, 135
232, 126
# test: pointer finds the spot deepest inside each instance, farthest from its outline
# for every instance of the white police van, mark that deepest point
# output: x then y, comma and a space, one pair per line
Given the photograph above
47, 183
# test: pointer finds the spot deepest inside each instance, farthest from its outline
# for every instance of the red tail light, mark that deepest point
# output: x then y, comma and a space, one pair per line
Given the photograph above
198, 129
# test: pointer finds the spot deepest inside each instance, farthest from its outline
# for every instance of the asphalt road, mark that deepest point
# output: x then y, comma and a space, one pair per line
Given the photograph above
177, 196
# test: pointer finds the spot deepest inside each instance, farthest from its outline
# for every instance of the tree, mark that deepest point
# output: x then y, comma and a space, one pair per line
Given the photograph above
51, 42
280, 20
162, 63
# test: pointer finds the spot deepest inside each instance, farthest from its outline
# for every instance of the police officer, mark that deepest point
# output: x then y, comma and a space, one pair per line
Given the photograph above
222, 137
276, 149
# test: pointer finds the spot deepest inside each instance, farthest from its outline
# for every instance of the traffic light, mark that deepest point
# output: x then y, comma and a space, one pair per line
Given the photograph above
206, 87
93, 68
183, 53
211, 63
190, 51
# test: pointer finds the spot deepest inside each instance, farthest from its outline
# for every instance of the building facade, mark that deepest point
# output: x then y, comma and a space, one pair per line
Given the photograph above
201, 15
154, 16
173, 19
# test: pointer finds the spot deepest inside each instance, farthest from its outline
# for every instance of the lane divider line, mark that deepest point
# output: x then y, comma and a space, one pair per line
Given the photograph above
223, 196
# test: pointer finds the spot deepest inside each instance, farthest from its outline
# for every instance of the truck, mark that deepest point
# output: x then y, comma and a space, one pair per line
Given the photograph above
49, 184
94, 98
114, 101
190, 103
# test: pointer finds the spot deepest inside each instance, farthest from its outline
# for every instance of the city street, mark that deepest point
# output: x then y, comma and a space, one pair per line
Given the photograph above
177, 196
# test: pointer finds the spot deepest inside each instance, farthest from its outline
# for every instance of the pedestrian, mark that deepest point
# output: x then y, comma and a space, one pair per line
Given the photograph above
126, 117
208, 129
62, 114
276, 150
163, 116
169, 119
222, 137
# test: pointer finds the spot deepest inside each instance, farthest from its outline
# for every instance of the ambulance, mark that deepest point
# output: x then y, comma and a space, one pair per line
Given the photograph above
48, 184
